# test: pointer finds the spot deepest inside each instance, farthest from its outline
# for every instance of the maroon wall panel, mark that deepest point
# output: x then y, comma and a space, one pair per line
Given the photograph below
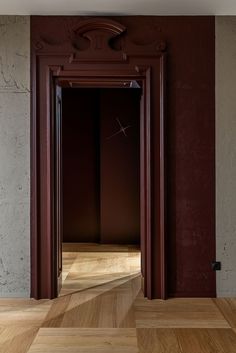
80, 130
190, 132
191, 156
120, 210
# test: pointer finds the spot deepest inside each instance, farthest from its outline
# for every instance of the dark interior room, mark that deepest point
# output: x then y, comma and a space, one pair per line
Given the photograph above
100, 144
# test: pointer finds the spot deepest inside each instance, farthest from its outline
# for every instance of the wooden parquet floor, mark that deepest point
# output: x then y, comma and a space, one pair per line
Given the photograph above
101, 308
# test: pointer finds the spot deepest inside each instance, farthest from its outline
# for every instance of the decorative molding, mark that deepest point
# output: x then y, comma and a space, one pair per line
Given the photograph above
92, 40
98, 63
100, 24
89, 40
99, 33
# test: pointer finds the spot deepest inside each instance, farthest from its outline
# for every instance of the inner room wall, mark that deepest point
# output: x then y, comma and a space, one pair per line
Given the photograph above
101, 167
120, 160
80, 158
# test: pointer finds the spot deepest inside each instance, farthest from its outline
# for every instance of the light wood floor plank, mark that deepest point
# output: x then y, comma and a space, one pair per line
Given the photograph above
226, 339
186, 340
20, 313
85, 341
186, 320
207, 340
17, 339
197, 341
57, 311
194, 313
105, 308
158, 341
228, 308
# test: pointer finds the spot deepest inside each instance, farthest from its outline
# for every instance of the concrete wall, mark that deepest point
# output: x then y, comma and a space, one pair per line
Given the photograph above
226, 154
14, 156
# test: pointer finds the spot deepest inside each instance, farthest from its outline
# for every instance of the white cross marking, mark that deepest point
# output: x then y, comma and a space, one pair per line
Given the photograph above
122, 129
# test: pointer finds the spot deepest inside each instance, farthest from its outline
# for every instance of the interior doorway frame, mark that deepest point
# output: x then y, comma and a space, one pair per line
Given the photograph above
98, 65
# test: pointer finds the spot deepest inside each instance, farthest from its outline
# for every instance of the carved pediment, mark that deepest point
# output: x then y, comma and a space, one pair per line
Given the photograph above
98, 32
95, 40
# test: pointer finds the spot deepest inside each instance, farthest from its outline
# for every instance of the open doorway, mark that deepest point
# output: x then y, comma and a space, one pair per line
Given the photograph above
110, 59
100, 185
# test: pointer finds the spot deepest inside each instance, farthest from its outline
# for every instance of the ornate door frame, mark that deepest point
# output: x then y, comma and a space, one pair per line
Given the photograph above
98, 52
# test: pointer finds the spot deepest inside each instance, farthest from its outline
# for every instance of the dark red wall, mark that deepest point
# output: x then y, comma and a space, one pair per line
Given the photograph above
190, 131
100, 171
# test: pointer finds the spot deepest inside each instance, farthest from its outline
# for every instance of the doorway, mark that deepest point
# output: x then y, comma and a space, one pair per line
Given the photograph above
100, 180
110, 60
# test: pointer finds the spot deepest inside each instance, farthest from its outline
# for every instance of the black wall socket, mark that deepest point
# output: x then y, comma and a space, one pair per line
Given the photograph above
216, 265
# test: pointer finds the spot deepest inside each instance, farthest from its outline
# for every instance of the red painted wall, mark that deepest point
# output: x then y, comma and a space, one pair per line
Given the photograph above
190, 130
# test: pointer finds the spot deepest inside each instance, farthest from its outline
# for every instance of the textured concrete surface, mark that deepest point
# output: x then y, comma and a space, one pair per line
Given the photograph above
226, 154
14, 156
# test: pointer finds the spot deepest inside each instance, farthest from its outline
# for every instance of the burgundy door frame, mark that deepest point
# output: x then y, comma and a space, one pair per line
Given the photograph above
98, 65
